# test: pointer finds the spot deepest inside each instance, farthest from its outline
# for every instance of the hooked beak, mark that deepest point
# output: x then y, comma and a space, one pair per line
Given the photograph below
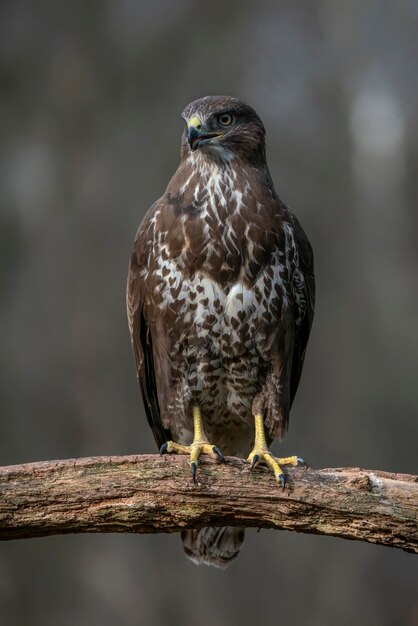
196, 135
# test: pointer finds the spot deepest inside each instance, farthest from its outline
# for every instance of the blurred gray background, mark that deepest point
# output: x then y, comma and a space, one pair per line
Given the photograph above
91, 97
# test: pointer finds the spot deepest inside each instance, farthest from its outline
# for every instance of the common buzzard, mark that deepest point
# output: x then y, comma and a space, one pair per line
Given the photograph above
220, 304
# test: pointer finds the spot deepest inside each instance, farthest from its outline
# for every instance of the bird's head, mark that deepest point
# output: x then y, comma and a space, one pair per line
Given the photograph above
223, 128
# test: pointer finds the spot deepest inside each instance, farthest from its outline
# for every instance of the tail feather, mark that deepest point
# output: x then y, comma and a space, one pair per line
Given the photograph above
213, 546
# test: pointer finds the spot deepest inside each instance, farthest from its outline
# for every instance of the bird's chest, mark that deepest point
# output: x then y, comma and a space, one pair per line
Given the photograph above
216, 238
222, 272
217, 328
218, 336
204, 313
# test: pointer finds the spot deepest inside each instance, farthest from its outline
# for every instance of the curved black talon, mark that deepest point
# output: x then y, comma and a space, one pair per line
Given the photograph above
163, 448
193, 466
282, 479
254, 462
219, 453
302, 462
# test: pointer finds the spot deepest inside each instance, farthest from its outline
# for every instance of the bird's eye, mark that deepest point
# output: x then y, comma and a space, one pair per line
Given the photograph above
225, 119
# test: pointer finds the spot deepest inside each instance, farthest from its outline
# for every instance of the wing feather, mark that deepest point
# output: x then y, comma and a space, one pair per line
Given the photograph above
304, 286
140, 268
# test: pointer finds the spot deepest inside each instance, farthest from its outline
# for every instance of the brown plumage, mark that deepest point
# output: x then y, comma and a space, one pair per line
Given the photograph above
220, 296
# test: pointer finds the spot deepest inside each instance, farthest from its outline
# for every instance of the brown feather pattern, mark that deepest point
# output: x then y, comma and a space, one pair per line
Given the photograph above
220, 291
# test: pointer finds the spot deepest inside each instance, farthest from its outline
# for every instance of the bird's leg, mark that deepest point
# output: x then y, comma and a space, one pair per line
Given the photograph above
261, 454
199, 446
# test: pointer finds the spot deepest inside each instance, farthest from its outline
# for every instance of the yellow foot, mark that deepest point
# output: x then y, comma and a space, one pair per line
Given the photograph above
260, 455
194, 450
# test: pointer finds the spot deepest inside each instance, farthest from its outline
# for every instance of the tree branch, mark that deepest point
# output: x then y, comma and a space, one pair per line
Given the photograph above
151, 494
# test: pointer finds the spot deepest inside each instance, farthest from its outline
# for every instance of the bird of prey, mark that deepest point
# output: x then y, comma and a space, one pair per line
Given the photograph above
220, 302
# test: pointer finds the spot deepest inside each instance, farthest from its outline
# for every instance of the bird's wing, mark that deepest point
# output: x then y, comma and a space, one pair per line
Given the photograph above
304, 297
140, 268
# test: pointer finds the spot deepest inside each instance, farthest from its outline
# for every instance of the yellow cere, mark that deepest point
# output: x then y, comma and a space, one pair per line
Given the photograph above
194, 122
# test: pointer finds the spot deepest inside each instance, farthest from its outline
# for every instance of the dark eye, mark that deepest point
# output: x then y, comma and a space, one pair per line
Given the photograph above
225, 119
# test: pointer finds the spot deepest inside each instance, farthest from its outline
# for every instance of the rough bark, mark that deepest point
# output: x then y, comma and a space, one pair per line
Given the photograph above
151, 494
